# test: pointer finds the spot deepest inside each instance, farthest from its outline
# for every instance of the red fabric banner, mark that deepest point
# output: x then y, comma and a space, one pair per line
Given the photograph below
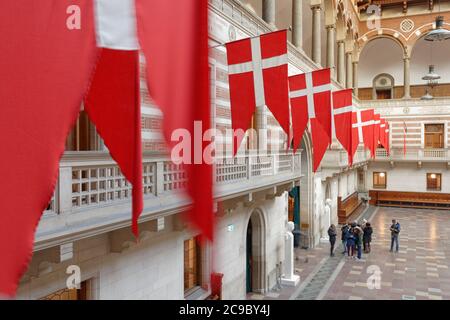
312, 92
357, 134
367, 122
388, 144
299, 110
382, 133
342, 112
174, 38
258, 76
113, 104
376, 131
45, 70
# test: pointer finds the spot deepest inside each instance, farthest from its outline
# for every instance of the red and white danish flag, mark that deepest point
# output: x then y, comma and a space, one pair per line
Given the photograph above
258, 77
310, 95
376, 130
61, 53
383, 132
387, 138
362, 128
342, 113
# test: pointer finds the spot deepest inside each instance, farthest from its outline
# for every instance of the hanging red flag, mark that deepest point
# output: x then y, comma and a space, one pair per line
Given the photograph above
313, 93
387, 138
258, 76
342, 112
112, 103
299, 110
53, 61
174, 38
45, 69
357, 134
382, 133
363, 122
376, 131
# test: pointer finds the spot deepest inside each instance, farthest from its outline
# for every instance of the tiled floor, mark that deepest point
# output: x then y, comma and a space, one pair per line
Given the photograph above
420, 270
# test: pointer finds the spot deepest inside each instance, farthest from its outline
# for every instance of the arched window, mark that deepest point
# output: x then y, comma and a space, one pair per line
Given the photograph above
383, 87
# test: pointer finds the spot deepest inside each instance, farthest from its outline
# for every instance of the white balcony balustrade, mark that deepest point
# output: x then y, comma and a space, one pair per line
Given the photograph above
91, 191
338, 158
422, 154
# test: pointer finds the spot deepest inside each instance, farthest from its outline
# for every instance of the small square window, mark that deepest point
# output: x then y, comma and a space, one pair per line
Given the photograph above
379, 180
434, 181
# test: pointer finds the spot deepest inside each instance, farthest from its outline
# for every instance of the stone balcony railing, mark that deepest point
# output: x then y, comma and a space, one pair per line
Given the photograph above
392, 103
433, 155
338, 158
92, 194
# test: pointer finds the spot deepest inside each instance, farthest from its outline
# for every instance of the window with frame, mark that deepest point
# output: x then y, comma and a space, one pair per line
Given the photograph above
379, 180
84, 136
434, 136
434, 181
192, 264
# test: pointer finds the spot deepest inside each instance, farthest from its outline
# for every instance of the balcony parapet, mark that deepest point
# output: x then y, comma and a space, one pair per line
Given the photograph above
91, 193
405, 107
338, 158
412, 155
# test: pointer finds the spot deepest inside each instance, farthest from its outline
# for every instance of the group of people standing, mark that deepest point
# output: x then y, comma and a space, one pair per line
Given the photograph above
357, 238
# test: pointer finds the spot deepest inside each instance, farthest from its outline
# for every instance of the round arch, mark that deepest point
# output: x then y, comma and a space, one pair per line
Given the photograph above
364, 41
255, 262
381, 55
425, 53
421, 31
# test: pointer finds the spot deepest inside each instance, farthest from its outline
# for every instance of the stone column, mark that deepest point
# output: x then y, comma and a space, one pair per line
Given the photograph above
316, 45
349, 75
268, 11
341, 63
297, 29
331, 31
261, 128
406, 78
355, 78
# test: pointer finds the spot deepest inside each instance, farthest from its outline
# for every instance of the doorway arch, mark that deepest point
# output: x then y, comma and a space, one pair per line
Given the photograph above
255, 253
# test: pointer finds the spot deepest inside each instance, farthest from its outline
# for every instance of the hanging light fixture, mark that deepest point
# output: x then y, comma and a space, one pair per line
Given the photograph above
431, 75
427, 96
439, 33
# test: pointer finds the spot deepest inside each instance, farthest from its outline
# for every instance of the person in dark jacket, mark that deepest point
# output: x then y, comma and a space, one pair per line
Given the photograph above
395, 230
332, 233
351, 244
358, 232
367, 237
344, 235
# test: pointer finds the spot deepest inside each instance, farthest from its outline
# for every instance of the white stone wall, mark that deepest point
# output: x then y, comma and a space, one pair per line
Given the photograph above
229, 250
150, 270
408, 177
153, 269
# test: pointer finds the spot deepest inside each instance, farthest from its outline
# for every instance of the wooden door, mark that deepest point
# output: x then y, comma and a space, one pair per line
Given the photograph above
434, 136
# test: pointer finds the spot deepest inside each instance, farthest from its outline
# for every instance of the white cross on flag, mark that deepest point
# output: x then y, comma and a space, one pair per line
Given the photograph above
258, 76
310, 95
342, 113
363, 128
